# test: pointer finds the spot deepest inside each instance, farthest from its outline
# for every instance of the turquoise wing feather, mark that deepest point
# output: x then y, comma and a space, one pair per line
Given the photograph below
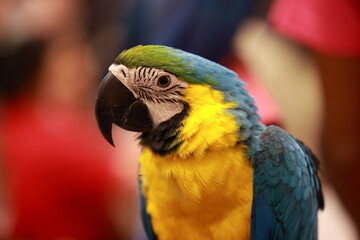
287, 191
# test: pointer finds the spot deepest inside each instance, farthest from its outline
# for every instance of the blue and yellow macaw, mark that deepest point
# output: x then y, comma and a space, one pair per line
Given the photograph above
208, 168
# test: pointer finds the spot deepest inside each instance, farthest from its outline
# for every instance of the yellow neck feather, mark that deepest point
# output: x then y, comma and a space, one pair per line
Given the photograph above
204, 189
208, 125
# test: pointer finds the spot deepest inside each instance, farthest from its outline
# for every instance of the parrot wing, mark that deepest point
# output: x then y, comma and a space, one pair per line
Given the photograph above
146, 218
287, 191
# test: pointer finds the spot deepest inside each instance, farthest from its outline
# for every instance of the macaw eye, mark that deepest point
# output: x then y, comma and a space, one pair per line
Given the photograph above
163, 81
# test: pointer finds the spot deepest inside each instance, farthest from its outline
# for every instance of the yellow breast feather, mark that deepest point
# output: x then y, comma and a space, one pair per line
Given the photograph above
203, 190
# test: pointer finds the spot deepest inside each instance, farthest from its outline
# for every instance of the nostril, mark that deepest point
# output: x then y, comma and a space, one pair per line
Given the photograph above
120, 71
123, 72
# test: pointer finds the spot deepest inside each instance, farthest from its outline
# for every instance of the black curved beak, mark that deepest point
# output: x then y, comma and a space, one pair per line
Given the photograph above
115, 103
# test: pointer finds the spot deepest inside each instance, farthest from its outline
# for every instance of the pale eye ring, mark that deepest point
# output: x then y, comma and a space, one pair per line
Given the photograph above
163, 81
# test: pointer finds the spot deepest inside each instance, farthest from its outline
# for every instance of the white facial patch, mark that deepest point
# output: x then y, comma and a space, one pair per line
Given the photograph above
161, 112
159, 90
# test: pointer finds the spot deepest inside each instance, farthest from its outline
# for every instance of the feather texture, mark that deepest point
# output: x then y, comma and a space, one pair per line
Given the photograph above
287, 191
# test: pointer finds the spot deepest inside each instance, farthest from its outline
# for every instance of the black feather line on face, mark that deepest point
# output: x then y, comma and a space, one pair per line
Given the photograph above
149, 94
153, 72
164, 138
179, 93
143, 73
137, 74
168, 89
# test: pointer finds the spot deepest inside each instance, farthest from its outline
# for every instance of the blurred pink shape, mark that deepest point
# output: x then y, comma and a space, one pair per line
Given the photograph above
59, 173
331, 27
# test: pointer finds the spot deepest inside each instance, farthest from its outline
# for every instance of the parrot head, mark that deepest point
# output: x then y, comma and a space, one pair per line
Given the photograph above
152, 89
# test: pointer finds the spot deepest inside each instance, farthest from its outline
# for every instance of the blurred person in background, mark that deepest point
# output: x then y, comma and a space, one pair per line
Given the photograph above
202, 27
58, 176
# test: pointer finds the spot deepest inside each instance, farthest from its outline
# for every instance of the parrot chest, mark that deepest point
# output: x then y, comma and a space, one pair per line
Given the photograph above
207, 198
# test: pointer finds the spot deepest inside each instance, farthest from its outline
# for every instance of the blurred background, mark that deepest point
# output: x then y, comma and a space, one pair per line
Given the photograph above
59, 179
